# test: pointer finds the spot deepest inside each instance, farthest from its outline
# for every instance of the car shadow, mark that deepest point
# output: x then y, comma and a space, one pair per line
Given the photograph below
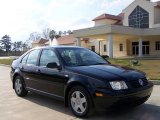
143, 112
48, 102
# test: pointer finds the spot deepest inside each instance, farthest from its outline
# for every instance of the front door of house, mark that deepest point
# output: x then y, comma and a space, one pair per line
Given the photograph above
135, 48
145, 48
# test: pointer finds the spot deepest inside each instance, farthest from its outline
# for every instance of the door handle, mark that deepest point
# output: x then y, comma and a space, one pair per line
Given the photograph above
21, 68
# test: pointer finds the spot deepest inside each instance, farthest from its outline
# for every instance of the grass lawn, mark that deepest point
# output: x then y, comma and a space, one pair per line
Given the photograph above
151, 67
6, 61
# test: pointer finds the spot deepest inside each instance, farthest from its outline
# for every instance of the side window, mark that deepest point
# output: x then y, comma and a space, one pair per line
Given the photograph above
93, 48
24, 59
120, 47
105, 48
157, 45
33, 56
48, 56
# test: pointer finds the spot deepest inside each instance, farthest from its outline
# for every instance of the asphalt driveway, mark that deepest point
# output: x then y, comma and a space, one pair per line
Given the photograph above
37, 107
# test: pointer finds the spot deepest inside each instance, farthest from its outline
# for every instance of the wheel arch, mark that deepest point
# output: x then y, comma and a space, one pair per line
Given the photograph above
71, 85
15, 75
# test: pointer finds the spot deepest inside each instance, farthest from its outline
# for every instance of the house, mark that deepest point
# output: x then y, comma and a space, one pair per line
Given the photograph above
134, 32
39, 43
68, 40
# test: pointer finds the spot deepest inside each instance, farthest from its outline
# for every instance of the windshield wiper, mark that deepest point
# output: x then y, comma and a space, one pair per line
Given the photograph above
99, 64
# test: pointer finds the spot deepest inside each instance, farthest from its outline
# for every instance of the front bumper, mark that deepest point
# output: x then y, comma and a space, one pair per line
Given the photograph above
113, 99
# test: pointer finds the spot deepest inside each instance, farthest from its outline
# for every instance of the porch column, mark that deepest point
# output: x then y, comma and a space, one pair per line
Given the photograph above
140, 47
78, 42
110, 46
100, 47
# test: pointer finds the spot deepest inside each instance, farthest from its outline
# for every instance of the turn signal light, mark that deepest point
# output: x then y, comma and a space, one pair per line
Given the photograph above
99, 94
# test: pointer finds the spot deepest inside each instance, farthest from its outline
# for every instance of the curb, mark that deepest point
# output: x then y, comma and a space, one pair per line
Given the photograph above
5, 65
155, 82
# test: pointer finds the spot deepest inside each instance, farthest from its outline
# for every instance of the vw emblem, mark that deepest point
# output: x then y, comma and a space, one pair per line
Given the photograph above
140, 82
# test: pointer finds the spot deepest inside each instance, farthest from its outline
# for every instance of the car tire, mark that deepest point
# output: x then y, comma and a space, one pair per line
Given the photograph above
19, 87
80, 102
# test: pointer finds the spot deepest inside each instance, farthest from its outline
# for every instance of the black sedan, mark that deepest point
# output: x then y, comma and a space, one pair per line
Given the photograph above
80, 78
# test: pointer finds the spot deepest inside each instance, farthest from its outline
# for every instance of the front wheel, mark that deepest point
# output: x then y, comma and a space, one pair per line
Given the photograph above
19, 87
80, 102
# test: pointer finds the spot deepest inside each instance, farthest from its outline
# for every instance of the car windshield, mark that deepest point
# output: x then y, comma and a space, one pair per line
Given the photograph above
80, 57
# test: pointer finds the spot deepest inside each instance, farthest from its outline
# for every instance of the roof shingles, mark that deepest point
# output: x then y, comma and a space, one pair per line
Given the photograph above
108, 16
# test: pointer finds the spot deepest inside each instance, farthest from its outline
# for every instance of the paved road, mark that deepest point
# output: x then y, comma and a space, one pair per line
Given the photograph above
37, 107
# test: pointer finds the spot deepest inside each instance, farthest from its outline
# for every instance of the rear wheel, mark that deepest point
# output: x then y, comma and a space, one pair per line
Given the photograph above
19, 87
80, 102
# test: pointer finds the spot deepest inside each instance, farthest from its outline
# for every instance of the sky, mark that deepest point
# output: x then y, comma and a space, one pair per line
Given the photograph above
19, 18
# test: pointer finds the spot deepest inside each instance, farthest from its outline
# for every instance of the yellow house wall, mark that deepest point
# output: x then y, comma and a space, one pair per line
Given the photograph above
102, 47
116, 49
84, 44
153, 51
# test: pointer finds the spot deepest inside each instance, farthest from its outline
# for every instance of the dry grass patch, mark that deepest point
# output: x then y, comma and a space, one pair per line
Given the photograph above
6, 61
151, 67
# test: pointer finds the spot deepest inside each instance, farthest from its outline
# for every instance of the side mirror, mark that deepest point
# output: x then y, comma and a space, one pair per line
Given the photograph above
53, 65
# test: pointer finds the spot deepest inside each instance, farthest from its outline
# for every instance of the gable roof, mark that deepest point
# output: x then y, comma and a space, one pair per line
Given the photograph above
41, 41
108, 16
67, 39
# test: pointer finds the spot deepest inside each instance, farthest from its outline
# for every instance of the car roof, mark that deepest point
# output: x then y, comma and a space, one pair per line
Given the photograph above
57, 46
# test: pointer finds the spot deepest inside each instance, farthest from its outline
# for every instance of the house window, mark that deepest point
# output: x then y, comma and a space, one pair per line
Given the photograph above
93, 48
105, 48
157, 45
121, 47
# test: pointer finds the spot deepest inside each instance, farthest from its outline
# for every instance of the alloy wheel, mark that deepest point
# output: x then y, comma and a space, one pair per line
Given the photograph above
78, 102
18, 86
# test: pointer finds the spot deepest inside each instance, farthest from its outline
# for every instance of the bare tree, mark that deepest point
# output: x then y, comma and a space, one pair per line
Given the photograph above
69, 32
34, 36
45, 33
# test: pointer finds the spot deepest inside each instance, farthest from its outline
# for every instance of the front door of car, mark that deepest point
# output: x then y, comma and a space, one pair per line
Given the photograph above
50, 80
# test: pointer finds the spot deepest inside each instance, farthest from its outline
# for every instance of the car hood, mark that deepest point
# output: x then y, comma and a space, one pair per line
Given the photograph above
108, 72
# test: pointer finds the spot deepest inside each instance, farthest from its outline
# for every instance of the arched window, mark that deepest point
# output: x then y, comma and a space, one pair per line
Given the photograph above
139, 18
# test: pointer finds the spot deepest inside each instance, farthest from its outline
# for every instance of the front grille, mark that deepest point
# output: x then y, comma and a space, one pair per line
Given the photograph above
136, 83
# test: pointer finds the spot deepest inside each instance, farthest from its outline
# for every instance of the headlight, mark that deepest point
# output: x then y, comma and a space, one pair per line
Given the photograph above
147, 78
118, 85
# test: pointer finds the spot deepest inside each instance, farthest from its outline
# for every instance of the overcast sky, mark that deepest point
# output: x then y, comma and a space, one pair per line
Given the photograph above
21, 17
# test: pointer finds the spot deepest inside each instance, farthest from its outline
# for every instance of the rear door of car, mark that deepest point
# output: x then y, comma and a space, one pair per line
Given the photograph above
50, 80
29, 68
